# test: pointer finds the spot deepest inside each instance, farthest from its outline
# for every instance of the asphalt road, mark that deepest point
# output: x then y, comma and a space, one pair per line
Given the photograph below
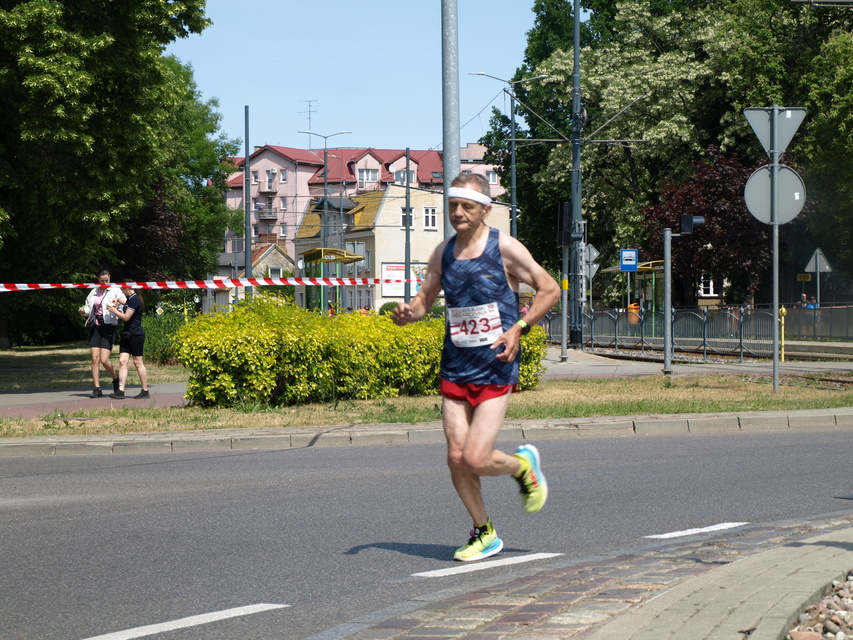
94, 545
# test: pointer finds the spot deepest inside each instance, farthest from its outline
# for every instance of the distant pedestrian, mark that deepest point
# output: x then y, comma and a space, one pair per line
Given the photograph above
803, 302
101, 324
132, 342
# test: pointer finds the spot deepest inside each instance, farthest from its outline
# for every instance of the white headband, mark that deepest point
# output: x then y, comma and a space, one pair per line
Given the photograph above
469, 194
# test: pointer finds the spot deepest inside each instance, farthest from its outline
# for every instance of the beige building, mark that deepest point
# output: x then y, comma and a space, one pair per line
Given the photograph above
373, 225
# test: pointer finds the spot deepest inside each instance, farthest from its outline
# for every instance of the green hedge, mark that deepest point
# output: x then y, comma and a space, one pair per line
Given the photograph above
271, 352
160, 330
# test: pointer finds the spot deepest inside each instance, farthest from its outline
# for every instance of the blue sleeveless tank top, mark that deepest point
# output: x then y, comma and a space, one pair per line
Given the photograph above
470, 283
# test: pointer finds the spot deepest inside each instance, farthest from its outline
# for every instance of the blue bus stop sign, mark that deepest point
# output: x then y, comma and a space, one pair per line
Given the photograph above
628, 259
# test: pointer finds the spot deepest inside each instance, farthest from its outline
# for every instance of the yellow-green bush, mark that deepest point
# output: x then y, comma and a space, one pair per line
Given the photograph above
272, 352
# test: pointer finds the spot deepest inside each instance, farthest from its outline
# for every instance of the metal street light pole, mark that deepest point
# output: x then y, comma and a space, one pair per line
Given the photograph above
339, 227
576, 321
324, 303
513, 211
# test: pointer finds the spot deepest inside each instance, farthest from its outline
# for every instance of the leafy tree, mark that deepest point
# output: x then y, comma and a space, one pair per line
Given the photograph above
550, 118
86, 141
828, 144
639, 92
178, 233
663, 80
730, 235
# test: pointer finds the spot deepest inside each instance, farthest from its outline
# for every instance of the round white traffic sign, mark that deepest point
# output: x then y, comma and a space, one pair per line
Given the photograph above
792, 194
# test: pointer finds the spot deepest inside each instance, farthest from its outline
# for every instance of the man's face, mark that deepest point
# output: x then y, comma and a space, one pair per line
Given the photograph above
466, 214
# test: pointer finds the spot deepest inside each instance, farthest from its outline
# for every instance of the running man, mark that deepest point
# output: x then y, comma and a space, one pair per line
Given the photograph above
479, 270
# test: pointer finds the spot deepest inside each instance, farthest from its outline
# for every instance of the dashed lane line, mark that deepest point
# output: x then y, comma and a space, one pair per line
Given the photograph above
192, 621
488, 564
692, 532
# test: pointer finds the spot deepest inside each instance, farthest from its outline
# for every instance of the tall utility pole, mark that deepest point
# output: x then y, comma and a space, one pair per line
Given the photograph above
247, 203
324, 224
449, 101
407, 287
513, 211
571, 270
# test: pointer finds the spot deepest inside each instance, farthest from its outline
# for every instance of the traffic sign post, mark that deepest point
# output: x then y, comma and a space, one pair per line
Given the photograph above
590, 255
819, 264
628, 259
775, 127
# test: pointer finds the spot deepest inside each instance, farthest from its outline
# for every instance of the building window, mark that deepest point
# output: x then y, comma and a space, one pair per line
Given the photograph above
254, 231
283, 174
284, 203
367, 175
706, 287
256, 206
283, 230
254, 177
492, 177
275, 272
405, 218
430, 218
404, 177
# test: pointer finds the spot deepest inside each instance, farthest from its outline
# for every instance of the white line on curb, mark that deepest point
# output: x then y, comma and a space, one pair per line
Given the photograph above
479, 566
192, 621
691, 532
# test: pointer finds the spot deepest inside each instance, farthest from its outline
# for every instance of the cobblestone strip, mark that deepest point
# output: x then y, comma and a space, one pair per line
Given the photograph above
572, 601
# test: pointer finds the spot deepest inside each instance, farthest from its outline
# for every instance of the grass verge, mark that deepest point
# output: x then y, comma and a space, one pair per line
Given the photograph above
552, 399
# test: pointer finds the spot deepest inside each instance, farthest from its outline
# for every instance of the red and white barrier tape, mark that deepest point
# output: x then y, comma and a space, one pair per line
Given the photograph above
219, 283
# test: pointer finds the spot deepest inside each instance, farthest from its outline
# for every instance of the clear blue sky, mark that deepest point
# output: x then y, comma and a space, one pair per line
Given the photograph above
373, 68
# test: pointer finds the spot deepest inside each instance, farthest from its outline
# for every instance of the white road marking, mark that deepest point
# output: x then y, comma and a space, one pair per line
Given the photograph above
488, 564
692, 532
192, 621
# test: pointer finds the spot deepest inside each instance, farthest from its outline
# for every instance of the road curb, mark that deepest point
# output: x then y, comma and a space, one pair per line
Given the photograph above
424, 433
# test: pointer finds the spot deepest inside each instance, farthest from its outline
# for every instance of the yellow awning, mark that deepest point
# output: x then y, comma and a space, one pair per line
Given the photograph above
328, 254
651, 265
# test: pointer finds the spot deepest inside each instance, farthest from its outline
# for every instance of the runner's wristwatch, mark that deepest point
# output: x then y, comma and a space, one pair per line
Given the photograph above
525, 328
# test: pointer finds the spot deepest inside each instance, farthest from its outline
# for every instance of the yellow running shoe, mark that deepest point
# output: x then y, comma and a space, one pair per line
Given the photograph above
484, 542
532, 484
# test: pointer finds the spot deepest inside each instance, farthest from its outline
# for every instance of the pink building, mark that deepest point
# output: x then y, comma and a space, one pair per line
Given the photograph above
284, 182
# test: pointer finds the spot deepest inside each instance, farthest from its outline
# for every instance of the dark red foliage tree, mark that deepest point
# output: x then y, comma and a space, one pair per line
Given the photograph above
732, 247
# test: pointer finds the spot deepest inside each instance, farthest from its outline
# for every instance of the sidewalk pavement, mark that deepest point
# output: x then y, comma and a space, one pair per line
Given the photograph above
751, 582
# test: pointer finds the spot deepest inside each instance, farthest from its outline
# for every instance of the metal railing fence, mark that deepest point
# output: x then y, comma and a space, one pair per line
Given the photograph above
707, 331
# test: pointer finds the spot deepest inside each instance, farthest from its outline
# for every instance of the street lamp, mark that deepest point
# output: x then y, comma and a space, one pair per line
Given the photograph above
324, 304
513, 225
339, 227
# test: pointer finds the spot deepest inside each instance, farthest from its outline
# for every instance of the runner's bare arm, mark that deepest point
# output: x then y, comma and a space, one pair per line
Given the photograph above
521, 267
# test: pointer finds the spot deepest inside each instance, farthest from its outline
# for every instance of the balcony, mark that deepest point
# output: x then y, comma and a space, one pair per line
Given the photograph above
267, 186
267, 214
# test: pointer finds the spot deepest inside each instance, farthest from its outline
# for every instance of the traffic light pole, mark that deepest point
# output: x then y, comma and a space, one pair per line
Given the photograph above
667, 301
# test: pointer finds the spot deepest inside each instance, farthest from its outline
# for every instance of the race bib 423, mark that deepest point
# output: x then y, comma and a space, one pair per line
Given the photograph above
474, 326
